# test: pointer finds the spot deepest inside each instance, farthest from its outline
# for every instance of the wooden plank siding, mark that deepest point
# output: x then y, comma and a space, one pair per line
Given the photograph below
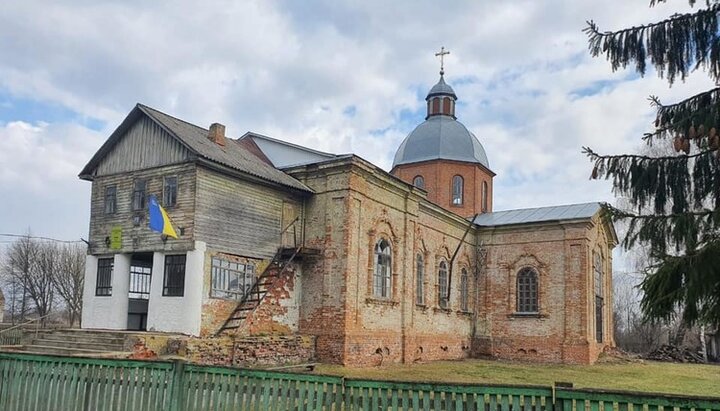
237, 216
145, 145
139, 237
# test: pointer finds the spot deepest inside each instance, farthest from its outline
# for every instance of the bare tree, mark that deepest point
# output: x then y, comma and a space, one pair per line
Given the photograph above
16, 268
69, 278
39, 282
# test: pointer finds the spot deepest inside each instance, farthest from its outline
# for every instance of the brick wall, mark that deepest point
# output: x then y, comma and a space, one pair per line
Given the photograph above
438, 175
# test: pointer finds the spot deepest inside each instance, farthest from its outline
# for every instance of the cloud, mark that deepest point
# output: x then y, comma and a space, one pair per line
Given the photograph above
335, 76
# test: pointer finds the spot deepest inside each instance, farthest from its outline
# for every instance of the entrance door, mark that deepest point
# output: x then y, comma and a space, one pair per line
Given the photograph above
139, 291
291, 224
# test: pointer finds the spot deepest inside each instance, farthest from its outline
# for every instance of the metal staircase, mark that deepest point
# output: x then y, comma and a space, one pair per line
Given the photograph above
260, 288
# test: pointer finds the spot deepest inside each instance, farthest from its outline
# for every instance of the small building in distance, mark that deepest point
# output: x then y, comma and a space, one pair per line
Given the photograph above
279, 239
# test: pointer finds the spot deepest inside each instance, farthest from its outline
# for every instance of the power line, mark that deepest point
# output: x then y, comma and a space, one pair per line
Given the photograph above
38, 238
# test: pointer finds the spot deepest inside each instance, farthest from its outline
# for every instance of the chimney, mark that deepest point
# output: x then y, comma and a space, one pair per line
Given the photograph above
217, 134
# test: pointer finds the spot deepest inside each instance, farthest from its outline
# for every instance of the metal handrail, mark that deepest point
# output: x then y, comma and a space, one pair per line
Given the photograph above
25, 323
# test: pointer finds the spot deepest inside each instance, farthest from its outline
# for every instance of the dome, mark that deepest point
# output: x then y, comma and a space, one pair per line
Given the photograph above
440, 137
441, 88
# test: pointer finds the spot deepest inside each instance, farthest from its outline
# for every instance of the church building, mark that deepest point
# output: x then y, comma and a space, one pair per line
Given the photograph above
376, 267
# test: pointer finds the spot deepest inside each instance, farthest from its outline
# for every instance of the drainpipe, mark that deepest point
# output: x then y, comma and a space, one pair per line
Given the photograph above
452, 260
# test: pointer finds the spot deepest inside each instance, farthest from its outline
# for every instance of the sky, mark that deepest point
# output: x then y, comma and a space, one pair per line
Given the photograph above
334, 76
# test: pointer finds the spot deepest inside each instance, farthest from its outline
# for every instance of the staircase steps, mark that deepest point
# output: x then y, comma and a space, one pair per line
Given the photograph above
260, 288
71, 342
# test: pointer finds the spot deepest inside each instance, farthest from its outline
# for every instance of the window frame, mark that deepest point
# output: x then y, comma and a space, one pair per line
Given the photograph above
138, 201
106, 289
527, 299
464, 290
382, 258
110, 203
458, 191
224, 269
174, 290
419, 181
442, 293
598, 278
484, 197
166, 191
419, 279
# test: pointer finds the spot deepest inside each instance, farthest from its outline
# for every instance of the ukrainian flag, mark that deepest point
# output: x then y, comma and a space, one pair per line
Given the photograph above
159, 220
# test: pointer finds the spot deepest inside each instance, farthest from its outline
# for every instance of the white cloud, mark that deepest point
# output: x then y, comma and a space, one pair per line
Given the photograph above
291, 69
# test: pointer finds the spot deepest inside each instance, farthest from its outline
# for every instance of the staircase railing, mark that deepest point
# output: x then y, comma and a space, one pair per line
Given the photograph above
15, 338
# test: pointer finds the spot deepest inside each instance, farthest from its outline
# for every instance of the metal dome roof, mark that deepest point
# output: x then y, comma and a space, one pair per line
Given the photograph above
440, 137
441, 88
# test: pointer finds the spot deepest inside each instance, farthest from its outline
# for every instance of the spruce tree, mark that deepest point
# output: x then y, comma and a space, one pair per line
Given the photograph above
674, 199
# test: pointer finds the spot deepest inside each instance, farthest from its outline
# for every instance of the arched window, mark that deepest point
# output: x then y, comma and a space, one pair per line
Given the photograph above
527, 291
484, 197
443, 285
420, 280
599, 300
419, 182
446, 106
457, 190
435, 106
464, 289
383, 269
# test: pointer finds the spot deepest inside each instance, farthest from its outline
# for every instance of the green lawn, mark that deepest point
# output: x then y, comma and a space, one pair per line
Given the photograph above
688, 379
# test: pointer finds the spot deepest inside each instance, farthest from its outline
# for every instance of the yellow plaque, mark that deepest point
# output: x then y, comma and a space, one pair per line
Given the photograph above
116, 238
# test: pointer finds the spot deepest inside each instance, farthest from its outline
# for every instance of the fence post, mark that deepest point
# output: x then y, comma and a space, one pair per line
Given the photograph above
177, 394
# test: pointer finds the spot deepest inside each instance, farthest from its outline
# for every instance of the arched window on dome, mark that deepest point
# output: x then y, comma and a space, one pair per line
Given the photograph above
484, 197
446, 105
435, 106
457, 190
419, 182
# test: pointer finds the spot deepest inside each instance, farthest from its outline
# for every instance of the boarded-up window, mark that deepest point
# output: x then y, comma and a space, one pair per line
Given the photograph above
170, 191
464, 289
110, 199
231, 280
174, 280
103, 286
443, 285
527, 291
383, 269
420, 280
138, 198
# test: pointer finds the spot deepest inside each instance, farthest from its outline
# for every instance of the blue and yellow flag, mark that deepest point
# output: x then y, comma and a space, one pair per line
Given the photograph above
159, 220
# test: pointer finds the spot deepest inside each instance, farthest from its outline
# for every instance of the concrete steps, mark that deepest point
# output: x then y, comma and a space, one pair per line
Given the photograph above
74, 342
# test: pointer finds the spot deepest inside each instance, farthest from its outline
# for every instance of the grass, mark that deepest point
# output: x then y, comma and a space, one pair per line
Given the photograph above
687, 379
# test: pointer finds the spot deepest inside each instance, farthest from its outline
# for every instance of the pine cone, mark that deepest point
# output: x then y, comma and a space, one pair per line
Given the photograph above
701, 130
594, 174
692, 133
686, 146
713, 132
677, 143
714, 142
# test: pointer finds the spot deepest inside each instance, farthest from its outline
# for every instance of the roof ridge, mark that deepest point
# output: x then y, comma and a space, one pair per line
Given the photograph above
171, 116
550, 206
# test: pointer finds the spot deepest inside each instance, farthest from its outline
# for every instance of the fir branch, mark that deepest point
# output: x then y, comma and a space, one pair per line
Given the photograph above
690, 281
675, 46
680, 157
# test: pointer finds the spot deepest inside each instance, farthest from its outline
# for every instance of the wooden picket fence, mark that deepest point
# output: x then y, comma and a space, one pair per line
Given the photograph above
39, 382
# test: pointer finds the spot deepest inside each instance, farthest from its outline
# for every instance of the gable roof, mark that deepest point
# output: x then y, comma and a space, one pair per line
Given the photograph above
233, 155
283, 154
539, 214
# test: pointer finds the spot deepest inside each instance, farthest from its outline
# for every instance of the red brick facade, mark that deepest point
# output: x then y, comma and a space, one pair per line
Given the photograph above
356, 205
438, 176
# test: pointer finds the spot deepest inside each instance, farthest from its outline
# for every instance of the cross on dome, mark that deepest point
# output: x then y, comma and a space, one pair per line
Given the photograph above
442, 53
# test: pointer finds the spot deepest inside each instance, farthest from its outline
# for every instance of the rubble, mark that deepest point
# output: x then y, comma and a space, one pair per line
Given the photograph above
670, 353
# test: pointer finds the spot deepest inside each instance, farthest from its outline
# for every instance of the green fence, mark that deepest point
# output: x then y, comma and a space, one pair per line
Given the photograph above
39, 382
